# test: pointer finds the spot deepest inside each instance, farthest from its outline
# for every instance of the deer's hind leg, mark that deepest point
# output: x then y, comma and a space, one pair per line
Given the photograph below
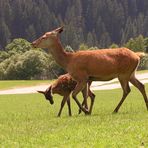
141, 88
126, 90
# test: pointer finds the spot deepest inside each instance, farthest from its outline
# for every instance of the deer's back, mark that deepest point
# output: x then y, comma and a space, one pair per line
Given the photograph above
105, 63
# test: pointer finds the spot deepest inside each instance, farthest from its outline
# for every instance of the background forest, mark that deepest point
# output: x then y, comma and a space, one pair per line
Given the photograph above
88, 24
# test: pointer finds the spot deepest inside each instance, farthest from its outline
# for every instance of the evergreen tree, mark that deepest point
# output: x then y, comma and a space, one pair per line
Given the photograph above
105, 40
30, 32
90, 40
5, 34
146, 44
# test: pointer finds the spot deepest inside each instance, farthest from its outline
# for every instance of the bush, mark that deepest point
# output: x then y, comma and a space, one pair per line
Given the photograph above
136, 44
31, 64
18, 45
143, 63
113, 46
3, 55
20, 61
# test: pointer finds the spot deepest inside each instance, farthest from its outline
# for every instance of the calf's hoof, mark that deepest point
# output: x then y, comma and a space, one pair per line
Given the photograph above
115, 112
79, 111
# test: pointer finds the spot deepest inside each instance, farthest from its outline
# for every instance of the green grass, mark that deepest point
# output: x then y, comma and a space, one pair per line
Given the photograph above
30, 121
6, 84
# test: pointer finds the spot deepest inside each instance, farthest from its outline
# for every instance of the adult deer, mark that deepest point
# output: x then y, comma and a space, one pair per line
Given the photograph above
63, 86
98, 65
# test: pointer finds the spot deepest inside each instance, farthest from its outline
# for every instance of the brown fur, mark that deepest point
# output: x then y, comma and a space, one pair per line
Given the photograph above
102, 65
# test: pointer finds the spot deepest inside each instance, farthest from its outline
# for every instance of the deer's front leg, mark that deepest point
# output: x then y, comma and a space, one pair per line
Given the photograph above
85, 97
78, 88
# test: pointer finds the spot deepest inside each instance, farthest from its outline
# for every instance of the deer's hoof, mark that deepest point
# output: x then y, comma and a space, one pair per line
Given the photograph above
87, 112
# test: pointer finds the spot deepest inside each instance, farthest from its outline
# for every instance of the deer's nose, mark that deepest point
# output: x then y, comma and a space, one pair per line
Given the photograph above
33, 44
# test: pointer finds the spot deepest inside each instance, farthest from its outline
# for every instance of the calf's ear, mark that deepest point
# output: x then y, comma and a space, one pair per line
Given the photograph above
42, 92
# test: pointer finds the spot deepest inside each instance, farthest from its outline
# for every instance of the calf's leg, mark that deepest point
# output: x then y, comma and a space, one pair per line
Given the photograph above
69, 106
62, 105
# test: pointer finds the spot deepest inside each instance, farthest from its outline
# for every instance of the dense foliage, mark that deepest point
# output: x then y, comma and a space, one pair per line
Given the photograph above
21, 61
93, 22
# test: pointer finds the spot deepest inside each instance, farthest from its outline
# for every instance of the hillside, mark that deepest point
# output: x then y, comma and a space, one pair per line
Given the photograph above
93, 22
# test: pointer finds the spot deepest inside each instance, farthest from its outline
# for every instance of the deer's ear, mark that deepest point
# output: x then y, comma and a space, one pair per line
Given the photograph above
59, 30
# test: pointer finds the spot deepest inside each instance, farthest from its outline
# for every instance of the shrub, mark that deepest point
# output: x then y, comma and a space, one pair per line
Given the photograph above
143, 63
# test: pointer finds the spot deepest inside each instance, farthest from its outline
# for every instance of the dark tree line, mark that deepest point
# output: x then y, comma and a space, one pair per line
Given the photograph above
93, 22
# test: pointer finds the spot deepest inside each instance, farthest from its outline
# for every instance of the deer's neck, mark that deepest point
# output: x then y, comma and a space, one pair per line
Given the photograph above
60, 56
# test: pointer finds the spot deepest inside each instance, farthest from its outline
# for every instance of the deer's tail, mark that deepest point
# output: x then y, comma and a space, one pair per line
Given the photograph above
140, 54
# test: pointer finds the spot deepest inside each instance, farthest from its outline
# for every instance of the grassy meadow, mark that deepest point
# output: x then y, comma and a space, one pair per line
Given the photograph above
29, 121
8, 84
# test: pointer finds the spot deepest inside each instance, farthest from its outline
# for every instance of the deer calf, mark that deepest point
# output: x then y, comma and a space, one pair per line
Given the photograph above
63, 86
